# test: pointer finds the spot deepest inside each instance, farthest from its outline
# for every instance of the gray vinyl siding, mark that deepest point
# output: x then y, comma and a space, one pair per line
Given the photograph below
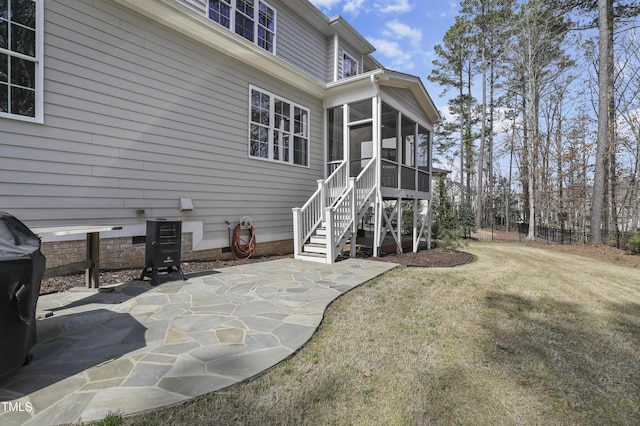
332, 57
137, 116
297, 42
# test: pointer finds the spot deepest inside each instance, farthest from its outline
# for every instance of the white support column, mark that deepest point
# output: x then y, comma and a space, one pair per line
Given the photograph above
416, 234
377, 220
398, 233
429, 222
354, 218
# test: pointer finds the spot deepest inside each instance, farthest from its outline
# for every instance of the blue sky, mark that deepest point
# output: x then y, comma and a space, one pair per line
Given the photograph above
403, 32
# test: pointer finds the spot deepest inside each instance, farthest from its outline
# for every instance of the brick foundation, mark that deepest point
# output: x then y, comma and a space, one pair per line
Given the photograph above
122, 253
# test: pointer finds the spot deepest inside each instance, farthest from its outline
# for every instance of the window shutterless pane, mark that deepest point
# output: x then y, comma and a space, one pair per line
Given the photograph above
245, 6
360, 110
423, 147
23, 40
259, 141
220, 11
265, 39
23, 72
23, 101
4, 97
335, 132
24, 12
4, 68
244, 26
4, 34
266, 17
300, 151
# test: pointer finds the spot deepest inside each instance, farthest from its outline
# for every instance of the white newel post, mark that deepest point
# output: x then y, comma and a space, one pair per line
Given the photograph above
322, 186
297, 232
331, 246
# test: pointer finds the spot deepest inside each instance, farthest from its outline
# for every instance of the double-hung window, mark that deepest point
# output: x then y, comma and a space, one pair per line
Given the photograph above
278, 129
21, 59
254, 20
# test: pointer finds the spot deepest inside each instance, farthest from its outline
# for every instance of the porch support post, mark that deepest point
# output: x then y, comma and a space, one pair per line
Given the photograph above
354, 218
429, 218
399, 226
377, 220
416, 234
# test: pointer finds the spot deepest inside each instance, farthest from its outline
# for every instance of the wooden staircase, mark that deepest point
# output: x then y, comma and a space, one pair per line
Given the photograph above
327, 221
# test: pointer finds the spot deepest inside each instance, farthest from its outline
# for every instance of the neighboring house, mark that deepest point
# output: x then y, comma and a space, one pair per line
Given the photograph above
121, 111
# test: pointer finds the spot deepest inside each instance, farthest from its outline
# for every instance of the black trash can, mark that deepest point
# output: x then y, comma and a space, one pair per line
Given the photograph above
22, 265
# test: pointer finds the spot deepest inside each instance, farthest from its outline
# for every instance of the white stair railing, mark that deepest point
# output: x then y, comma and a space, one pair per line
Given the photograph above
365, 186
339, 219
336, 183
339, 201
308, 217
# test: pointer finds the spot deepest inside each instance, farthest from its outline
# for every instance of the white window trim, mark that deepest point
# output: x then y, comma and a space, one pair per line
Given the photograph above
256, 23
39, 61
354, 61
273, 128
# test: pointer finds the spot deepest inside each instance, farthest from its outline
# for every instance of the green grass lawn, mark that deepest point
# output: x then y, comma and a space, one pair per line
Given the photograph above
521, 336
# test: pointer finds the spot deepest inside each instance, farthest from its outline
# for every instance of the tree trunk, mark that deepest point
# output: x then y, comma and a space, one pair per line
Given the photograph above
597, 199
480, 196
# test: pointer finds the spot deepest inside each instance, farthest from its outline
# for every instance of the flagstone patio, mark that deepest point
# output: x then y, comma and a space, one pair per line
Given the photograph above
142, 347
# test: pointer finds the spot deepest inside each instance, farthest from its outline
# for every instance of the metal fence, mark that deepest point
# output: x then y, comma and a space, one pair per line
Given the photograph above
547, 234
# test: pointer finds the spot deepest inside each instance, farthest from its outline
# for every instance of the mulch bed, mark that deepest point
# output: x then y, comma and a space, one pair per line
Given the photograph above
436, 257
424, 258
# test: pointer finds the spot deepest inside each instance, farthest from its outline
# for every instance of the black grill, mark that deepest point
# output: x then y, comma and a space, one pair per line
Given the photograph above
163, 249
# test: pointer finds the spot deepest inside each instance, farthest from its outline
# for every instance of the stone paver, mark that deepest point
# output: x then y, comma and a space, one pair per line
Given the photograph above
144, 347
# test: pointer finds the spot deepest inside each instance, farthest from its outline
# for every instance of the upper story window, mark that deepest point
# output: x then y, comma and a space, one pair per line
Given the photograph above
21, 59
254, 20
278, 129
349, 66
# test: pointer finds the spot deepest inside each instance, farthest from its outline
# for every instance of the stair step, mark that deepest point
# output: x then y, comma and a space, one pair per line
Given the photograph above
314, 248
321, 231
318, 239
312, 257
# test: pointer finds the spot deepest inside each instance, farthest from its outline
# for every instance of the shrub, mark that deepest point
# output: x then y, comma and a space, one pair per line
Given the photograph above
633, 245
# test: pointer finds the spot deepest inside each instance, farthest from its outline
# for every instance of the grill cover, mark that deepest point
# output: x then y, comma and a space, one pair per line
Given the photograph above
22, 265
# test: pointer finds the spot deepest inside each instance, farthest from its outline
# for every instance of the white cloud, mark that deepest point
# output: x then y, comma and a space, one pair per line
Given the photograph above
399, 30
393, 6
353, 6
325, 4
399, 57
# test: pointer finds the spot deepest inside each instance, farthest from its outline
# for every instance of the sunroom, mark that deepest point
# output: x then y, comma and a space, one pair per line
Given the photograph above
378, 169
